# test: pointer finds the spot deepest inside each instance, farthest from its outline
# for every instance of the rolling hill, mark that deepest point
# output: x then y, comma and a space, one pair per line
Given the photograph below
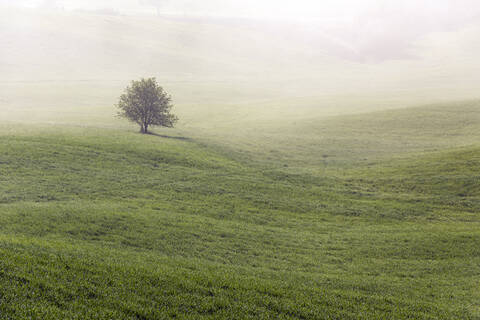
303, 181
102, 223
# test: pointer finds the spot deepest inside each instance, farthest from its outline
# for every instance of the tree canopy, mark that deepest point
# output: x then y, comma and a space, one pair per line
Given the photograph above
147, 104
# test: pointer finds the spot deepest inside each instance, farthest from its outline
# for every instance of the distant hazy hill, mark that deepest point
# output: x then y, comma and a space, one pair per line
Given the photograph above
71, 59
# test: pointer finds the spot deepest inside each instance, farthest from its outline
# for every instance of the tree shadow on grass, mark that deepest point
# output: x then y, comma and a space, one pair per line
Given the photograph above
169, 137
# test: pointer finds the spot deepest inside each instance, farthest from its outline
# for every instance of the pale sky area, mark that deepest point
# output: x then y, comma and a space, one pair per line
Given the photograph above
368, 17
413, 50
365, 31
285, 9
376, 29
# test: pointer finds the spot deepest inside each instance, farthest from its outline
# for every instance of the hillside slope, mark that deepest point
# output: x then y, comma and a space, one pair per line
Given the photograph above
316, 144
279, 196
102, 224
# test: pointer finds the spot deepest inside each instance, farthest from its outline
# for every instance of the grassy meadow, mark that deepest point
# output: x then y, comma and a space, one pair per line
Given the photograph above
108, 224
285, 199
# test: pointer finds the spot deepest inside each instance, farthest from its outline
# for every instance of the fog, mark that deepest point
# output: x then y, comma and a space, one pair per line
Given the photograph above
344, 54
289, 9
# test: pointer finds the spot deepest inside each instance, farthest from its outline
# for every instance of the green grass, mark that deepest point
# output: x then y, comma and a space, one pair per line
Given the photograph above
109, 224
277, 198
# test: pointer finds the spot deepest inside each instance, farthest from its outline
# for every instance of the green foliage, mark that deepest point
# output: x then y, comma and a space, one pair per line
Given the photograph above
147, 104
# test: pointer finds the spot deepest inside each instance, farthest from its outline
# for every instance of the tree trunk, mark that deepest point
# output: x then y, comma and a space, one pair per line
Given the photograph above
146, 128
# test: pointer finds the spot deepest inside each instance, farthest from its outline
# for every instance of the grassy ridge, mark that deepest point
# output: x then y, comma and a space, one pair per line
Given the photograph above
321, 145
105, 224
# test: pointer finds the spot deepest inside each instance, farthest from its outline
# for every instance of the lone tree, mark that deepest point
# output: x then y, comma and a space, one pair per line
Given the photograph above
147, 104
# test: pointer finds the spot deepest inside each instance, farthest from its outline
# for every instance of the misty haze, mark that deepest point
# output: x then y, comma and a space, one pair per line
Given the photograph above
227, 159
